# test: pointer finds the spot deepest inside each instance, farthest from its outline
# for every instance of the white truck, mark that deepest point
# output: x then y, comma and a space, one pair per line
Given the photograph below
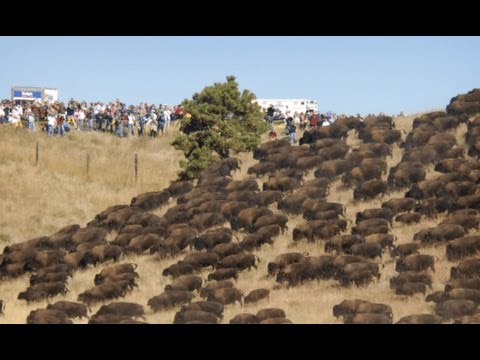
288, 107
29, 93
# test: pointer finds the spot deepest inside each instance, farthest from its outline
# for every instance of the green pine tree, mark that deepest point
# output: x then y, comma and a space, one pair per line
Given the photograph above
223, 120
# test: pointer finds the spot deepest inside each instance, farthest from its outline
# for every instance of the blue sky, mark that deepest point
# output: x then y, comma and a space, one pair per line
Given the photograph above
344, 74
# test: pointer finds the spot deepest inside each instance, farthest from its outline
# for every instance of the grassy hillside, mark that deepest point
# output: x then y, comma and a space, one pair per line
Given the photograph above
38, 200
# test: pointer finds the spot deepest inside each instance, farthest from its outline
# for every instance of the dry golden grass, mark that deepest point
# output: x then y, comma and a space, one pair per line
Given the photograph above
39, 200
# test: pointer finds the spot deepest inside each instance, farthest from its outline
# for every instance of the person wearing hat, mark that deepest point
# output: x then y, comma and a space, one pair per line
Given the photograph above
291, 130
270, 114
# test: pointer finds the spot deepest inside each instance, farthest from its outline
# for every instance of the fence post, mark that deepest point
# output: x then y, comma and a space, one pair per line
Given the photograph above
88, 164
36, 154
136, 168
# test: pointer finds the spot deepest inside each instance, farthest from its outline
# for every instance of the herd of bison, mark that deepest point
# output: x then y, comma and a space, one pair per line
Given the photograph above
218, 224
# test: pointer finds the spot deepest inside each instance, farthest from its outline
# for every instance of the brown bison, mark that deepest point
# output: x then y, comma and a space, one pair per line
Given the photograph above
122, 308
468, 221
283, 184
364, 225
399, 205
102, 253
380, 213
142, 243
48, 316
242, 185
169, 299
50, 277
463, 283
331, 168
185, 283
262, 168
406, 176
71, 309
426, 189
347, 307
226, 296
177, 188
466, 269
247, 217
369, 189
360, 174
341, 243
106, 291
200, 260
270, 313
257, 295
215, 285
411, 277
415, 263
283, 260
195, 316
463, 247
223, 274
420, 319
178, 269
268, 197
367, 318
230, 209
440, 233
89, 234
405, 249
207, 220
150, 200
273, 219
384, 240
244, 318
452, 309
408, 218
208, 306
410, 289
224, 250
368, 250
239, 261
146, 219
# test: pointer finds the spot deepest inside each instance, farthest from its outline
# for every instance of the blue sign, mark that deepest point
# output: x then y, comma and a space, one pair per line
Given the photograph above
21, 94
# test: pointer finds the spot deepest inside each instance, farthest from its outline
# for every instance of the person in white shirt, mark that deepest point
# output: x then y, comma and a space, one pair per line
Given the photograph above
167, 114
20, 110
51, 122
81, 117
325, 121
31, 120
15, 116
131, 122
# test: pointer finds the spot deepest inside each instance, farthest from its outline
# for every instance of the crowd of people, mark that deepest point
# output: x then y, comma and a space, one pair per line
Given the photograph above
124, 121
115, 117
302, 120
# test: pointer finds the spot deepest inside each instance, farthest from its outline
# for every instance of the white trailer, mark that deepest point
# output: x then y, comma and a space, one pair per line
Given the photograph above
29, 93
288, 105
